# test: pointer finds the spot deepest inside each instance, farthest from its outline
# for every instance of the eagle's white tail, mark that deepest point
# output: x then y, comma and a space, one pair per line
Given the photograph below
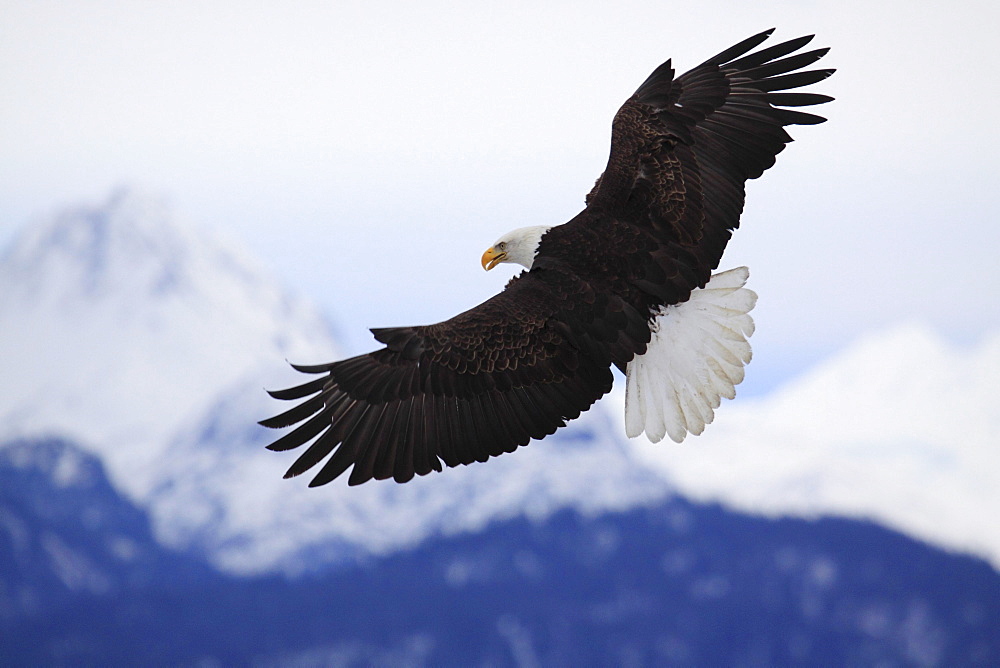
696, 357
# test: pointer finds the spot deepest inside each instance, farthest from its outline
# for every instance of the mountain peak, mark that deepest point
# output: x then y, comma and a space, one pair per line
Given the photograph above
131, 246
61, 463
119, 322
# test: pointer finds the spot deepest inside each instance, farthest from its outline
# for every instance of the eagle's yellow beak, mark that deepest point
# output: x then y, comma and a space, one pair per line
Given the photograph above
492, 257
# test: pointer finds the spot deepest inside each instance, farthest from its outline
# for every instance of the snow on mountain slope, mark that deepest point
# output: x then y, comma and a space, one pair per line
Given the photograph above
223, 492
901, 428
118, 324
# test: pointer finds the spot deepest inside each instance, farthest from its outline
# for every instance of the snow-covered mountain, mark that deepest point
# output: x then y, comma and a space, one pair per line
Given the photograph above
83, 582
901, 428
149, 343
119, 324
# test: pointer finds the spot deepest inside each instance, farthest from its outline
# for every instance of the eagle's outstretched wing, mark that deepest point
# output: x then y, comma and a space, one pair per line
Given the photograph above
475, 386
520, 364
682, 149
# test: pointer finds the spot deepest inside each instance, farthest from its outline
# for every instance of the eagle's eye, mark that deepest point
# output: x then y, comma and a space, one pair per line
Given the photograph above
502, 245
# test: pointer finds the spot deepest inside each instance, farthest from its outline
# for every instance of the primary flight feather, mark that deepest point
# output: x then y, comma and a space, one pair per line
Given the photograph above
627, 282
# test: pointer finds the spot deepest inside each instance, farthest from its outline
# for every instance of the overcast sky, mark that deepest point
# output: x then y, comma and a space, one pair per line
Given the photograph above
369, 152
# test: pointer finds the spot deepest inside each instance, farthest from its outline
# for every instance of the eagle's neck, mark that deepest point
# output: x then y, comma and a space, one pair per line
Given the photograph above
523, 244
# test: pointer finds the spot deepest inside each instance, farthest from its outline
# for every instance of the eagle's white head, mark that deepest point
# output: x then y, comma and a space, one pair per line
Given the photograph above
518, 246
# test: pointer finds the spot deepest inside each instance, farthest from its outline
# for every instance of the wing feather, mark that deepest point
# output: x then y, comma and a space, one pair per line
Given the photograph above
682, 148
408, 432
313, 455
770, 53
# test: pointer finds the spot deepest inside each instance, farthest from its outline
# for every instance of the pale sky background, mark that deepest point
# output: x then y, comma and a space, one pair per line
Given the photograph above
369, 152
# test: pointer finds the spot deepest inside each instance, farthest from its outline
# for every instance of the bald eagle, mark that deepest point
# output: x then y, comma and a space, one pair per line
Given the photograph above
628, 283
